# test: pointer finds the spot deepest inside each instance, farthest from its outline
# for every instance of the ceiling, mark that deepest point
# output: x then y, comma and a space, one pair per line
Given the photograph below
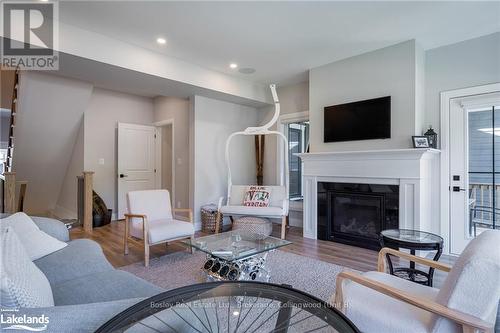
281, 40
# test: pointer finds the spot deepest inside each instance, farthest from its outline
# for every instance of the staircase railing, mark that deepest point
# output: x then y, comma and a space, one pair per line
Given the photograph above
13, 113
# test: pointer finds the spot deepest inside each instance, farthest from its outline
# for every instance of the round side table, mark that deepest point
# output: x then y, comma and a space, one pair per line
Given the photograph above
412, 240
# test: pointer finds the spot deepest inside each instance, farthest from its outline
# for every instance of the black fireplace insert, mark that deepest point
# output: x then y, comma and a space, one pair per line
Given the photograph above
355, 214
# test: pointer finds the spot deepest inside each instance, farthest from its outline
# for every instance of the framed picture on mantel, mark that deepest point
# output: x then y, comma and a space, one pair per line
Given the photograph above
420, 142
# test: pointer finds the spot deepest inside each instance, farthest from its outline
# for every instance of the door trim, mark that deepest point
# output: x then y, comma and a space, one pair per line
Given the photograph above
445, 100
158, 126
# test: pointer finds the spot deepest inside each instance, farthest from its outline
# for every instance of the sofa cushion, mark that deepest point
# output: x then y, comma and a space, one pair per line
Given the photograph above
261, 211
81, 257
153, 203
36, 242
22, 284
160, 230
372, 311
277, 195
105, 286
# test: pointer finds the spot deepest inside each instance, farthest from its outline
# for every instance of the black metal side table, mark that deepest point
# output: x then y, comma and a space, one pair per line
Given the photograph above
412, 240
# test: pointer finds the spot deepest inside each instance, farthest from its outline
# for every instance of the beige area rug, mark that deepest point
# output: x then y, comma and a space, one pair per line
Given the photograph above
182, 268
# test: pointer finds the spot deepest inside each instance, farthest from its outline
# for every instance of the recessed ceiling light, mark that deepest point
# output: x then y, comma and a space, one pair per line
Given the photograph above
161, 41
44, 0
233, 65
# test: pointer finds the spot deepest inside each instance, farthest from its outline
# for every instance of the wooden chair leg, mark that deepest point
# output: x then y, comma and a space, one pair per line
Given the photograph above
283, 227
191, 240
146, 253
125, 238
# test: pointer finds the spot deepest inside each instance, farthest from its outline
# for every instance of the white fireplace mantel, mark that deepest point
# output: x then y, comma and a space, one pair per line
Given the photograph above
416, 171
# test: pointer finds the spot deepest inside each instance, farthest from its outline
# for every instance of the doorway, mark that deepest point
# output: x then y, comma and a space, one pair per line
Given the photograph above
474, 167
167, 155
165, 151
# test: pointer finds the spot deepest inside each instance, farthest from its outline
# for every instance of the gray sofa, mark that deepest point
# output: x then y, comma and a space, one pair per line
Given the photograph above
87, 290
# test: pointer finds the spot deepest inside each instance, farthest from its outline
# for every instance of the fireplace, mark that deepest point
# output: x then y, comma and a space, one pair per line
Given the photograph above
356, 213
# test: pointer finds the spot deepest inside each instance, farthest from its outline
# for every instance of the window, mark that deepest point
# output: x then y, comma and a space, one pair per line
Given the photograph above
298, 141
484, 171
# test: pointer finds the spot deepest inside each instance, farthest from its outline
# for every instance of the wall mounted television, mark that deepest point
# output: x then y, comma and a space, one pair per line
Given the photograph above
362, 120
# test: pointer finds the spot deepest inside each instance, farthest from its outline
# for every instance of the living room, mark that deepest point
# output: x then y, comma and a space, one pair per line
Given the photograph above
174, 155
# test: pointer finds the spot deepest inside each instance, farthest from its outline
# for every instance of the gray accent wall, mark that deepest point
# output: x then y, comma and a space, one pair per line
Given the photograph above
469, 63
391, 71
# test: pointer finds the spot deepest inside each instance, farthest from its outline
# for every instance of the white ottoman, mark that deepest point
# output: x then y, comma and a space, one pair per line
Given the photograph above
256, 225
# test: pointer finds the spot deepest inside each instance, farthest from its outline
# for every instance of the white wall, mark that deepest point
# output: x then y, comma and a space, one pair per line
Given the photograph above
293, 98
466, 64
105, 110
213, 121
177, 109
388, 71
67, 203
48, 121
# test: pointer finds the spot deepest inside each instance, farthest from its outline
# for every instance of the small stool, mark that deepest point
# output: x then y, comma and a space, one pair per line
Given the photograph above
256, 225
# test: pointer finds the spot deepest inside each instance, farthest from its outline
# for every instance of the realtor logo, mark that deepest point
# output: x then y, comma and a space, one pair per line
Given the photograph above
29, 31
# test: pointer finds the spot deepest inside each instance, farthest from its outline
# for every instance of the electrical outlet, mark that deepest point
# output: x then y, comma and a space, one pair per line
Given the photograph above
101, 161
178, 204
179, 161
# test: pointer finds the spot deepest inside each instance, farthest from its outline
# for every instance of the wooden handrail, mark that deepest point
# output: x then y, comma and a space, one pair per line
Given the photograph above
87, 200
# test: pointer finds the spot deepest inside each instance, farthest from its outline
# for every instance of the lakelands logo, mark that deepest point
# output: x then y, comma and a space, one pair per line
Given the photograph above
11, 320
30, 35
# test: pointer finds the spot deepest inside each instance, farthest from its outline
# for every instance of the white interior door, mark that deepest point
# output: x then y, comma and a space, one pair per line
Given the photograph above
136, 161
474, 165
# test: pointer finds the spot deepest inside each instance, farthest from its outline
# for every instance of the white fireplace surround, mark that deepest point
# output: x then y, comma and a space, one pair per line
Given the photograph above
416, 171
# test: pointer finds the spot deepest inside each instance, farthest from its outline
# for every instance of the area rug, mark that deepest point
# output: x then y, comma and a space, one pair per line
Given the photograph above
182, 268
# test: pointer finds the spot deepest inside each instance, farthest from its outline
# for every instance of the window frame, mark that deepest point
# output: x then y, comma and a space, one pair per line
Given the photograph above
283, 121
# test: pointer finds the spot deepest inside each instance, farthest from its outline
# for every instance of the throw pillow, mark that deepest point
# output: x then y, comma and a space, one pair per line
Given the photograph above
22, 284
256, 196
36, 242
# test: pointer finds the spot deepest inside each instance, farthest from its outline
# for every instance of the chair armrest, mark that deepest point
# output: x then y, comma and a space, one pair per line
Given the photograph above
467, 321
410, 257
185, 210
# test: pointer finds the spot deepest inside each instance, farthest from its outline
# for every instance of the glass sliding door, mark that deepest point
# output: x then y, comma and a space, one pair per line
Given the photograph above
484, 169
474, 151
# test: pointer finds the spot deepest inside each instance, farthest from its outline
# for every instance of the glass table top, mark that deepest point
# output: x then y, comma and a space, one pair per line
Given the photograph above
236, 245
413, 236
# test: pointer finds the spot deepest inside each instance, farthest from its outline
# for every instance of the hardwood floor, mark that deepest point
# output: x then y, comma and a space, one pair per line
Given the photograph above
110, 237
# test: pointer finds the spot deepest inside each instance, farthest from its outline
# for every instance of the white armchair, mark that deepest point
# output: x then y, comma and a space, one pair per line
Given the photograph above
467, 301
150, 218
277, 209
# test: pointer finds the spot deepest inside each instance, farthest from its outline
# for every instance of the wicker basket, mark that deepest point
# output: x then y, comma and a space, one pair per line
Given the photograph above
209, 218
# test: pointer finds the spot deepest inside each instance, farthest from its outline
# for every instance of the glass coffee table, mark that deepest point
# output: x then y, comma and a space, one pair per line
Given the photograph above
237, 255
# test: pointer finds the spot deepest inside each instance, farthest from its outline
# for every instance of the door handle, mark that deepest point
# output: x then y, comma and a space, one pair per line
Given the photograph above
122, 175
458, 189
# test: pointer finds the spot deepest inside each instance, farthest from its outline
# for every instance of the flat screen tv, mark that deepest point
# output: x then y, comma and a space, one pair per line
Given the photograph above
363, 120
